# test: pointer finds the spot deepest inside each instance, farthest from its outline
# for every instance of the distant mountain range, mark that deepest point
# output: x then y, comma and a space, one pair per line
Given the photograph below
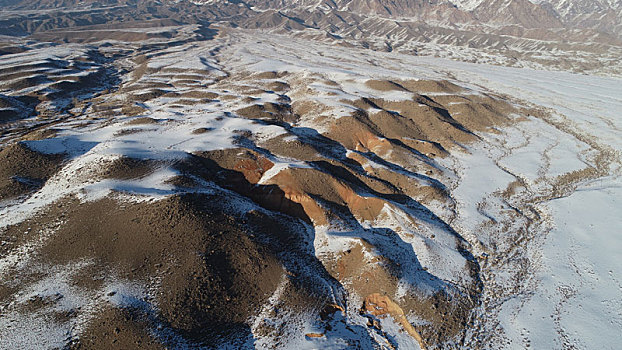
577, 35
602, 15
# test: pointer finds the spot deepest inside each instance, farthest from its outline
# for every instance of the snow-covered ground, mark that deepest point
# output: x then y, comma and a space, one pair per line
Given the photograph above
572, 297
576, 298
538, 200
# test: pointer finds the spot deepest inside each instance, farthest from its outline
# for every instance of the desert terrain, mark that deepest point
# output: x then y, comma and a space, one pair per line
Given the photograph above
169, 180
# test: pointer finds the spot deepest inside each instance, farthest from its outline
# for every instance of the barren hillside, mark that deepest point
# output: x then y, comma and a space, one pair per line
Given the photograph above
178, 177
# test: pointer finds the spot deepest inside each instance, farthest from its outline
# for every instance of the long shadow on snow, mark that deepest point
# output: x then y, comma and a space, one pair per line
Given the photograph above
404, 263
337, 151
334, 150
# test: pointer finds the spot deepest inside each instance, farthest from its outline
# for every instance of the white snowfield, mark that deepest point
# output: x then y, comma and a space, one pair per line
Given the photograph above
550, 251
572, 297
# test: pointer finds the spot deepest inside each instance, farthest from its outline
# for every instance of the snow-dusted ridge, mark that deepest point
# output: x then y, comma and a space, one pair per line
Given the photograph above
504, 225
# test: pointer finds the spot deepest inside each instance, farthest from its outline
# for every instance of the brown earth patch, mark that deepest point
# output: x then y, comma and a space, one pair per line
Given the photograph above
207, 95
24, 170
430, 149
31, 67
233, 169
184, 83
309, 107
40, 134
250, 164
277, 86
182, 181
156, 89
402, 183
253, 112
190, 102
126, 168
199, 131
358, 132
305, 186
268, 110
213, 275
133, 110
86, 36
117, 328
477, 112
130, 131
380, 180
194, 77
361, 274
227, 97
23, 83
448, 315
438, 86
251, 91
142, 121
146, 96
384, 85
103, 106
284, 146
432, 119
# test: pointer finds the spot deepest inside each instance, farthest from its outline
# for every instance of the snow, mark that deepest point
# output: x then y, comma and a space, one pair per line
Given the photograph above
580, 275
171, 141
44, 328
179, 59
592, 103
570, 296
479, 177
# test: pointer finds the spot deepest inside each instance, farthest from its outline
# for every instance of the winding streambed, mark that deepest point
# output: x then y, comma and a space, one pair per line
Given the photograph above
540, 204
